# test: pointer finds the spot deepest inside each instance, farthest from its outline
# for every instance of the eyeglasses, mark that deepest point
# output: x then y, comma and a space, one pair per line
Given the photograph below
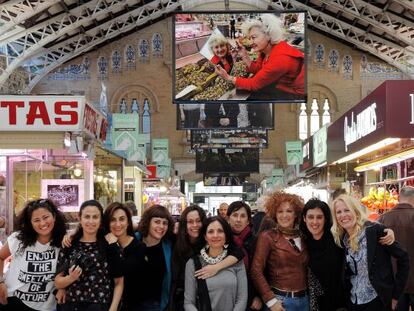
295, 247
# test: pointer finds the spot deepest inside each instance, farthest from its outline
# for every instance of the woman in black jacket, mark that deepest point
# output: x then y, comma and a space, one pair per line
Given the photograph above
239, 217
369, 271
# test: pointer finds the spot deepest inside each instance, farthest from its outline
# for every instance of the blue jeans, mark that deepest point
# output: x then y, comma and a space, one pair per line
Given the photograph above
294, 304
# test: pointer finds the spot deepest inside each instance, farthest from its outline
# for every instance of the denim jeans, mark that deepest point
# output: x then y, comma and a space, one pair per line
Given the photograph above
294, 304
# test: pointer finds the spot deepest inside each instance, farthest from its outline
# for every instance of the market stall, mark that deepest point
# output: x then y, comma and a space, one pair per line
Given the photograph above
376, 138
47, 150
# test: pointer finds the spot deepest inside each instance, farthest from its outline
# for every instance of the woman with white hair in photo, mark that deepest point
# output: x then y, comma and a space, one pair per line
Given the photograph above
220, 47
279, 67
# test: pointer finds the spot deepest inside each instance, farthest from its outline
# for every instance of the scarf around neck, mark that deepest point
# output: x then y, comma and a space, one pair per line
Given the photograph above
239, 240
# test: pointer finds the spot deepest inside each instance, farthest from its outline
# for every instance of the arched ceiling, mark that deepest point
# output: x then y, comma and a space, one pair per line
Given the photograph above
40, 35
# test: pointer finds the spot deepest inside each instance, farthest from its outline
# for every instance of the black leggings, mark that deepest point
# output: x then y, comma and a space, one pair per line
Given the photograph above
374, 305
15, 304
82, 306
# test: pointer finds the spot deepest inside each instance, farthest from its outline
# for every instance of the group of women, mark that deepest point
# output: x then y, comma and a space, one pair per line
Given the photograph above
278, 70
305, 259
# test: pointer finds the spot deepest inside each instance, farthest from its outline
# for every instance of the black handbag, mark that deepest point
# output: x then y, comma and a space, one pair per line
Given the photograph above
203, 299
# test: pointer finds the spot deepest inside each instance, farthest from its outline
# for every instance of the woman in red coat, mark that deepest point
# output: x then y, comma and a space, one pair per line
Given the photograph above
279, 68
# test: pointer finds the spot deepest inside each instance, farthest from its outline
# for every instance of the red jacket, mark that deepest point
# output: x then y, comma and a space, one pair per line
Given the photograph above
284, 68
216, 60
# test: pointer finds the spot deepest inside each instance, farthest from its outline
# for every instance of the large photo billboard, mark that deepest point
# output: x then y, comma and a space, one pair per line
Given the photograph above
248, 138
225, 116
238, 56
227, 161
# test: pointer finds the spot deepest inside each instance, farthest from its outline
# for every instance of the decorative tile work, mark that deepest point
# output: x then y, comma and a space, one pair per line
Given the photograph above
320, 55
102, 68
157, 45
130, 57
116, 62
72, 72
379, 71
333, 60
347, 67
143, 50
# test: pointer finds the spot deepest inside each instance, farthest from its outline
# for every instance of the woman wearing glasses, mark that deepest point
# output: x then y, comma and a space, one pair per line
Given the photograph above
28, 284
373, 285
279, 268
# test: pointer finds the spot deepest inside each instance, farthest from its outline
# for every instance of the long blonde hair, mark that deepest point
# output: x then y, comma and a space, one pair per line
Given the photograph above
359, 214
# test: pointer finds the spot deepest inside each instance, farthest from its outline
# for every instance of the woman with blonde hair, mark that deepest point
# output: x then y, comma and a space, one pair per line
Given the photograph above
279, 67
220, 47
279, 267
372, 283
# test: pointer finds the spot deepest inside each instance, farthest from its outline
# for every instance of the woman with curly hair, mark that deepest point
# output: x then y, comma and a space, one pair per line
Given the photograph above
28, 284
279, 268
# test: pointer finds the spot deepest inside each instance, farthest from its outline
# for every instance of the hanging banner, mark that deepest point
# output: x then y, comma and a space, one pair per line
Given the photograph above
125, 133
164, 169
294, 154
191, 186
140, 151
319, 146
160, 150
278, 177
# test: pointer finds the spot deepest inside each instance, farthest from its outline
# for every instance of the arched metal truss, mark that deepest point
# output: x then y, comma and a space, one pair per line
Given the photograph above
40, 35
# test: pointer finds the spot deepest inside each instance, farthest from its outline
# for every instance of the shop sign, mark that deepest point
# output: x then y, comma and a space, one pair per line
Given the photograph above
94, 123
160, 150
294, 152
364, 124
41, 113
388, 112
319, 146
307, 154
51, 114
153, 169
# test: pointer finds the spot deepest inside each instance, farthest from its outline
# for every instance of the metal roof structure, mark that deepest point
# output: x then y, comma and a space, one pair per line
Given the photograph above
36, 36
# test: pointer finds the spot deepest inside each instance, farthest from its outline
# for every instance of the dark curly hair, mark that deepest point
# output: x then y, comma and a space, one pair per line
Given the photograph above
151, 212
277, 198
109, 212
312, 204
28, 236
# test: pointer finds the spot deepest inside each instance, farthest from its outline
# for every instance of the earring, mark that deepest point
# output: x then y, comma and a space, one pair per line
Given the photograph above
225, 246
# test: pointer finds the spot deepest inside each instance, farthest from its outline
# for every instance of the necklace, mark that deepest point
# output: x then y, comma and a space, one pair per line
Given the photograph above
212, 260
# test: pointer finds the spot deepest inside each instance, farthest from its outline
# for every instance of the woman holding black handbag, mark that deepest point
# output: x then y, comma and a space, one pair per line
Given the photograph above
227, 290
